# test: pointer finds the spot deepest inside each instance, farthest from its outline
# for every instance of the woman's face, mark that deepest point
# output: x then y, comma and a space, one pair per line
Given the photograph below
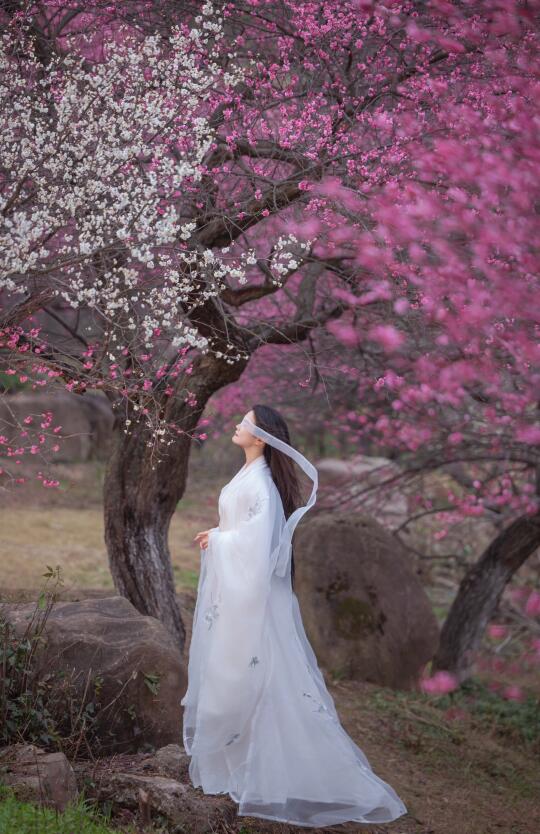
242, 437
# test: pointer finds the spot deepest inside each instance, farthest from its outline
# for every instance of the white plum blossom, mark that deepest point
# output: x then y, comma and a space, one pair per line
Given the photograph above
287, 255
95, 155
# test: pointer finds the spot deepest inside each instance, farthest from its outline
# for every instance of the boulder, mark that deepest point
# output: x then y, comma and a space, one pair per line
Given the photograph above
338, 470
37, 776
342, 483
156, 786
171, 760
130, 663
178, 803
86, 421
364, 610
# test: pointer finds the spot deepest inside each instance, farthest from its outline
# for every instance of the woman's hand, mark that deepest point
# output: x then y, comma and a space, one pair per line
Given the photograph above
202, 538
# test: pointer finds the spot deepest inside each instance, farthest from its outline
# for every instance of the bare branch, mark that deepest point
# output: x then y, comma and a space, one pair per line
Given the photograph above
293, 331
30, 305
220, 231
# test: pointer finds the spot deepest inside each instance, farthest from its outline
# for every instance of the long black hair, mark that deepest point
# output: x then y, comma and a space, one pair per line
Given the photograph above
281, 466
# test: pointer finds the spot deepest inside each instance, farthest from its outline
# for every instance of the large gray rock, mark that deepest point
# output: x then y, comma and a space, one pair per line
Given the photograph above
37, 776
128, 655
157, 784
364, 610
171, 760
86, 421
343, 484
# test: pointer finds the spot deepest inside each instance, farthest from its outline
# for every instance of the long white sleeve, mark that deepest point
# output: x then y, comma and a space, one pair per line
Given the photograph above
241, 555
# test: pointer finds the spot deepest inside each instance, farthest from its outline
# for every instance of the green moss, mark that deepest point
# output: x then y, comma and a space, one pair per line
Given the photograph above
336, 586
354, 618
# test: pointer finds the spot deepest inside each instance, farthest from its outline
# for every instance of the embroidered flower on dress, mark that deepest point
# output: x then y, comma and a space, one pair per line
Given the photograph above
211, 614
255, 508
254, 660
321, 707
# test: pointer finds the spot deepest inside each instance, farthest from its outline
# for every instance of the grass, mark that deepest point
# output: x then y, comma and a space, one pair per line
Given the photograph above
515, 721
185, 577
472, 706
458, 770
73, 538
65, 528
79, 817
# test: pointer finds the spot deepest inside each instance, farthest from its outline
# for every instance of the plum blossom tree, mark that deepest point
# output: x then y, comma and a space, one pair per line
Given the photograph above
276, 168
453, 252
113, 228
95, 156
439, 340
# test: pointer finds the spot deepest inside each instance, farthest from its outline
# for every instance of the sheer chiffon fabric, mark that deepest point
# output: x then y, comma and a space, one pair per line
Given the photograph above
259, 722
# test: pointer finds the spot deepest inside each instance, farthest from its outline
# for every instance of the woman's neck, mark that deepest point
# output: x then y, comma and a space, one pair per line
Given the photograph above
252, 456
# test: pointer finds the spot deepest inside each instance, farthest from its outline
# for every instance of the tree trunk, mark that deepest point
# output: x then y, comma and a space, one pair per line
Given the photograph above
479, 594
139, 501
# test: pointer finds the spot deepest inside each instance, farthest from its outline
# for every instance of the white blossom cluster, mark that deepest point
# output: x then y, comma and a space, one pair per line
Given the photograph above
287, 255
97, 155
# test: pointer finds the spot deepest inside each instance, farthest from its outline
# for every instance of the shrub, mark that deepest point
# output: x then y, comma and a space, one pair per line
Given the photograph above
38, 706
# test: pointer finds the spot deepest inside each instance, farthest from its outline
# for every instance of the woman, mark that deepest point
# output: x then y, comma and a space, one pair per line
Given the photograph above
259, 722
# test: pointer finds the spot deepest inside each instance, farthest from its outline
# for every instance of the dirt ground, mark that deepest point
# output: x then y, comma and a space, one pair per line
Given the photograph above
453, 778
456, 775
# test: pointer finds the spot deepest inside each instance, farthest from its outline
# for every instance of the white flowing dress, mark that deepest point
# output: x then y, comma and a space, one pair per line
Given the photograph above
259, 722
